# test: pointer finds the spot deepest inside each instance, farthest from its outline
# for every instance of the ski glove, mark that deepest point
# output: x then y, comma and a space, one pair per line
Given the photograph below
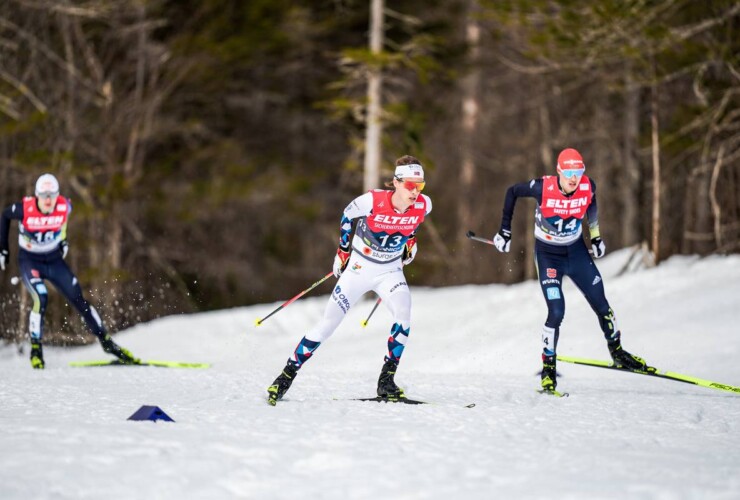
4, 256
409, 251
340, 262
502, 240
65, 249
598, 247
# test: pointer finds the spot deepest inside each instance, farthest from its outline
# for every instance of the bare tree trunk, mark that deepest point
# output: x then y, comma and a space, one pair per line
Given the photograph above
374, 126
631, 168
687, 240
470, 87
655, 135
716, 208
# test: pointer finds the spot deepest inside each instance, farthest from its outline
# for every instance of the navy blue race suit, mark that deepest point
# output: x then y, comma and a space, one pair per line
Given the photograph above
560, 250
42, 239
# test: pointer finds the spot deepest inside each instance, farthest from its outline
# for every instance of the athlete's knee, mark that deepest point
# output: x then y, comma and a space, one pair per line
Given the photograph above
555, 313
403, 318
324, 329
400, 306
40, 297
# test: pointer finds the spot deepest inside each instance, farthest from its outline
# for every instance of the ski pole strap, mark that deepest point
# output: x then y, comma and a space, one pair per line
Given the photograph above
290, 301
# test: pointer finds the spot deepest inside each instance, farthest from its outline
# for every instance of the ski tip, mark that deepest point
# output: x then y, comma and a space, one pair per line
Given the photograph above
470, 234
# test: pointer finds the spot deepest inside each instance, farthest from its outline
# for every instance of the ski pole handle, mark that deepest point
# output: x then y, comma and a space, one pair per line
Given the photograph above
290, 301
472, 236
377, 303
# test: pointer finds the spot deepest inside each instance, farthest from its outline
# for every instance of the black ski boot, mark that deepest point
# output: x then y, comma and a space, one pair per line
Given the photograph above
281, 384
123, 354
387, 387
623, 359
549, 374
37, 356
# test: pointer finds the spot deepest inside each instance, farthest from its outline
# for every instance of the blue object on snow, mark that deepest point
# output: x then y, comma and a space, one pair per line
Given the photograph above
152, 413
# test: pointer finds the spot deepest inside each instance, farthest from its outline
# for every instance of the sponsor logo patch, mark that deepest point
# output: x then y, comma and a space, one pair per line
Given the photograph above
341, 299
552, 273
571, 203
392, 219
553, 293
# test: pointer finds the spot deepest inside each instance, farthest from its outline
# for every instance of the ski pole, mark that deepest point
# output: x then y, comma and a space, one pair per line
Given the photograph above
258, 322
472, 236
377, 303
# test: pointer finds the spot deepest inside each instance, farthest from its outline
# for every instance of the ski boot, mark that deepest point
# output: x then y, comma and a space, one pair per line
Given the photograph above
37, 356
281, 384
623, 359
387, 387
549, 374
123, 354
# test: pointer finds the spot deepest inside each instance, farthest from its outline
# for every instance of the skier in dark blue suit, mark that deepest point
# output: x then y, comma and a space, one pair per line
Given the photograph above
42, 247
562, 203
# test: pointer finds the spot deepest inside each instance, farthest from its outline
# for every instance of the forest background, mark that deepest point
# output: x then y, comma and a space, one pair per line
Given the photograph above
210, 146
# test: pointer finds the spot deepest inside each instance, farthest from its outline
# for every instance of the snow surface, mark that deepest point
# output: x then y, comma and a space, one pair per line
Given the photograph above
64, 432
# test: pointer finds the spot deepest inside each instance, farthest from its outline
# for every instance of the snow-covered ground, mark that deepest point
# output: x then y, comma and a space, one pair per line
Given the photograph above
64, 432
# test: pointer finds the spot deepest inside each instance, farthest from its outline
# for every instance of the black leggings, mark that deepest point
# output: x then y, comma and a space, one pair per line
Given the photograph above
34, 270
553, 264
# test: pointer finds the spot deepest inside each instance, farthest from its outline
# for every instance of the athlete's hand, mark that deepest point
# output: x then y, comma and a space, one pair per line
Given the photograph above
65, 249
409, 251
340, 262
4, 255
598, 247
502, 240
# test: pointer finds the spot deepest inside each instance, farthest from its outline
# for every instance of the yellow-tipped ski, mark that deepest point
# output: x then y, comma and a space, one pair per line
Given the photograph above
657, 373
